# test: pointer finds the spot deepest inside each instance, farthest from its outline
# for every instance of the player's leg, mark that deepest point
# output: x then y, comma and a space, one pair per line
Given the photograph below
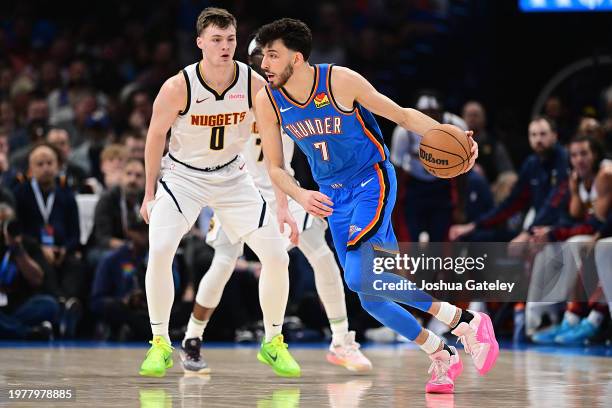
371, 230
344, 350
245, 216
269, 246
207, 299
171, 217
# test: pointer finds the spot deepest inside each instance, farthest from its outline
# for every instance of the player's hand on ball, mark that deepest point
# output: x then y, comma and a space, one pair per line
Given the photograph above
473, 151
316, 203
284, 217
145, 209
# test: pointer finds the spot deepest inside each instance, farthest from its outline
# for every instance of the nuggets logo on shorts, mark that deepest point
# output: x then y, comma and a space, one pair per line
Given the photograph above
321, 100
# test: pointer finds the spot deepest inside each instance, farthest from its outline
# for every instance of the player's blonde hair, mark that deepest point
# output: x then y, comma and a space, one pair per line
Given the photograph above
215, 16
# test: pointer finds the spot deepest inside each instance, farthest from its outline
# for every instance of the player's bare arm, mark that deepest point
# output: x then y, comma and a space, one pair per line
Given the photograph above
282, 214
349, 86
314, 202
171, 99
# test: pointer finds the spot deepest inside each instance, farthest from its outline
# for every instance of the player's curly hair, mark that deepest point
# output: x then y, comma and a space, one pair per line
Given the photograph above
215, 16
295, 34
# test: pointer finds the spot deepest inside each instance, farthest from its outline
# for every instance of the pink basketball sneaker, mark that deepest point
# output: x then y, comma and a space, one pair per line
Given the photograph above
478, 339
348, 355
444, 369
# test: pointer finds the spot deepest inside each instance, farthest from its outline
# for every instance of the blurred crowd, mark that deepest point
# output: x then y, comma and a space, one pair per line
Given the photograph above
76, 98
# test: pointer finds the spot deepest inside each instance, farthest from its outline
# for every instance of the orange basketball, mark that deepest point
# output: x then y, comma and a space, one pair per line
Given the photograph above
445, 151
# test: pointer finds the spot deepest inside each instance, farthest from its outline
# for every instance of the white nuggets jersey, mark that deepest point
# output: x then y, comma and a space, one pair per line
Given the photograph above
213, 128
253, 156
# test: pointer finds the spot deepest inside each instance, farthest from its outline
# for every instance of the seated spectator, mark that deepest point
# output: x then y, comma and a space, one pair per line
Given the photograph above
112, 160
493, 156
97, 133
8, 176
585, 196
539, 177
48, 213
25, 313
114, 209
134, 144
33, 132
75, 176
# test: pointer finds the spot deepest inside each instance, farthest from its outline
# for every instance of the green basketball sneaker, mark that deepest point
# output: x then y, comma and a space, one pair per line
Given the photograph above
158, 359
275, 354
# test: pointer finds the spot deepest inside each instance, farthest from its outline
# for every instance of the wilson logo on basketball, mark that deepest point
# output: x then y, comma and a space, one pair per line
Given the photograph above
428, 157
321, 100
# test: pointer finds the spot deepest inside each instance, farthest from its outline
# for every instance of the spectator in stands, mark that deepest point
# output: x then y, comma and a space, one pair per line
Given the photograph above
78, 88
24, 311
539, 177
34, 130
140, 114
114, 209
555, 109
49, 214
7, 173
591, 127
493, 157
427, 204
134, 144
75, 176
112, 162
97, 134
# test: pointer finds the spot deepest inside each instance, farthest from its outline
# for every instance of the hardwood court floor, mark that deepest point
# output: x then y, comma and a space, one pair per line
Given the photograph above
107, 377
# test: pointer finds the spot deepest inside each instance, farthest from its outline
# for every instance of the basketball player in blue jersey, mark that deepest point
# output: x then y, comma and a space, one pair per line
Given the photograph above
327, 112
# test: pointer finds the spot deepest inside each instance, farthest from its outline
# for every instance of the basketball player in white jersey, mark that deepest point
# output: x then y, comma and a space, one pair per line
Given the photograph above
343, 351
208, 107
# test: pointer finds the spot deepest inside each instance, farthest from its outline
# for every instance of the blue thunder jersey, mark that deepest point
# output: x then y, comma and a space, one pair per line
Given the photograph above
340, 144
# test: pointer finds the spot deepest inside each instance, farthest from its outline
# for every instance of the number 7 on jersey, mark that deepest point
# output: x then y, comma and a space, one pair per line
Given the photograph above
322, 146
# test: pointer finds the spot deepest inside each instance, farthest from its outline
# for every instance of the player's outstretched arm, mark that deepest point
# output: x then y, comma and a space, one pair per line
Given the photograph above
314, 202
171, 99
349, 86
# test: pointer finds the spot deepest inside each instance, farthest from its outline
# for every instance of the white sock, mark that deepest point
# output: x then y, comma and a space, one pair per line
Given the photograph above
339, 328
195, 328
595, 318
447, 313
572, 318
161, 329
432, 344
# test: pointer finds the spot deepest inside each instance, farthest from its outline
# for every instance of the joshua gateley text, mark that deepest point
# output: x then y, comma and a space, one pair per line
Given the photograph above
470, 284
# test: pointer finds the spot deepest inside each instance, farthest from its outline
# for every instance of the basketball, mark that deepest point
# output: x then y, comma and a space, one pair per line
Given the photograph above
445, 151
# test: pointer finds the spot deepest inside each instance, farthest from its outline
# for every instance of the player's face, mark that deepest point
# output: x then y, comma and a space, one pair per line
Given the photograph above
218, 44
541, 136
278, 63
581, 158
